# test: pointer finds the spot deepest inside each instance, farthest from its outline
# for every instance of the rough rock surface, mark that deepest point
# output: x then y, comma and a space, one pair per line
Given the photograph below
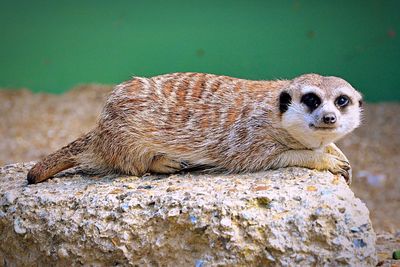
288, 217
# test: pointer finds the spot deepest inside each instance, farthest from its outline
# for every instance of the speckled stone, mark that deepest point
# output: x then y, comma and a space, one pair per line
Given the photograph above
288, 217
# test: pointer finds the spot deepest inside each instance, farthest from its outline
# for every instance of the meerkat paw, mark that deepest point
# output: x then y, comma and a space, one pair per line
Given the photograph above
165, 165
334, 150
338, 165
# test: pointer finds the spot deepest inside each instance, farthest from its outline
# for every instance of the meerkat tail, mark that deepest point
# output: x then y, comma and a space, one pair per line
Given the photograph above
62, 159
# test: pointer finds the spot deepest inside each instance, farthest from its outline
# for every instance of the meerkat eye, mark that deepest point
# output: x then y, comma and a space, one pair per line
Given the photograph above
311, 100
342, 101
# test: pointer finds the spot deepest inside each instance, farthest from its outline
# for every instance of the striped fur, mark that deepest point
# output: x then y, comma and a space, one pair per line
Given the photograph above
162, 123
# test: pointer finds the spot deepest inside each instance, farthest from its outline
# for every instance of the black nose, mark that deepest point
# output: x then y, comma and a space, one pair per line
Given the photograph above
329, 118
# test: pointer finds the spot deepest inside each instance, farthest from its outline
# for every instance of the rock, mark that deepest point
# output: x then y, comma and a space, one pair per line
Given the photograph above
287, 217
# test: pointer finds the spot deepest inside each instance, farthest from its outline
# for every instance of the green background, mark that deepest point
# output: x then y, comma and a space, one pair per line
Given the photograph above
54, 45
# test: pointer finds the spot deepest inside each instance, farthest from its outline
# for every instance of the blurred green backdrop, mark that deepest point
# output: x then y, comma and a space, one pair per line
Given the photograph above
54, 45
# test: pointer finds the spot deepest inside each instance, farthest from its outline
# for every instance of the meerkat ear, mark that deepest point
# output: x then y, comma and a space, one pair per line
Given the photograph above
284, 101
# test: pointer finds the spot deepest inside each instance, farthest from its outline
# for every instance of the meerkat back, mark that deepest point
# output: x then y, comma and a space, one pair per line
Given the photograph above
190, 118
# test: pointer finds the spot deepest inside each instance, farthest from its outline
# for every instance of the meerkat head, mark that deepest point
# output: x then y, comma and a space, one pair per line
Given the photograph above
318, 110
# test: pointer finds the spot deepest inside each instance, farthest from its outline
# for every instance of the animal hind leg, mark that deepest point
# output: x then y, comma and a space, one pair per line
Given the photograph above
163, 164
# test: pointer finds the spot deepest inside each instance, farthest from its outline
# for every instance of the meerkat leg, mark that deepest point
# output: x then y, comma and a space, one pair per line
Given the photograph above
334, 150
312, 160
163, 164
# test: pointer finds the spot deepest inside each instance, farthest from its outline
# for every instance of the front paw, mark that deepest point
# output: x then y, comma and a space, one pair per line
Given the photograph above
338, 165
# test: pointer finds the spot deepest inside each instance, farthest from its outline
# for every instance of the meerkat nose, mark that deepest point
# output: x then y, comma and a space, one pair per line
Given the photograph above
329, 118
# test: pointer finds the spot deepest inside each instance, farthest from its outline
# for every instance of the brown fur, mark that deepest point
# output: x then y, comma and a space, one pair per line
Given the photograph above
157, 124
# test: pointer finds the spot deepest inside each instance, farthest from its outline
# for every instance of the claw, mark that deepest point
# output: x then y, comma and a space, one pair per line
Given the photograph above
346, 167
343, 168
347, 175
184, 164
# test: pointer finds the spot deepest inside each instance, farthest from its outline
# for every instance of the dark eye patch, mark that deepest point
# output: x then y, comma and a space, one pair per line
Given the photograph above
311, 100
284, 102
342, 101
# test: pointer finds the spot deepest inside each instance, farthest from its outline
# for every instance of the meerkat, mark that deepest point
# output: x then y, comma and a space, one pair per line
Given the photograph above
173, 122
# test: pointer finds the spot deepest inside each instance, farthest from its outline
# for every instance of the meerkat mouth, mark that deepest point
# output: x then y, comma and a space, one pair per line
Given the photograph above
322, 128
